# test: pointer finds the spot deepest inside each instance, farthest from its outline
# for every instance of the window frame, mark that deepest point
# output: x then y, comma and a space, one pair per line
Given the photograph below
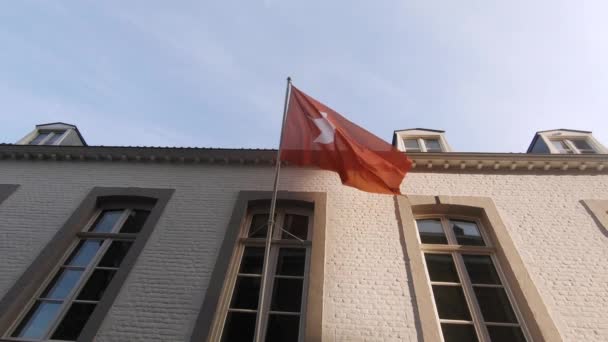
216, 290
51, 134
421, 139
276, 244
569, 143
18, 300
456, 251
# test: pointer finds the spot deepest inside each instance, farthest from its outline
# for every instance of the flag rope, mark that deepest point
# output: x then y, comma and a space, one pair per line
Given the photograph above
273, 203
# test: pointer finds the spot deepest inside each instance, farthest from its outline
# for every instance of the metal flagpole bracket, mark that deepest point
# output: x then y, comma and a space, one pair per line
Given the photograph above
259, 329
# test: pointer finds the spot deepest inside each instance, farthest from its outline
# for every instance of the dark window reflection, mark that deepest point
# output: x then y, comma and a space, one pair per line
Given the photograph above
239, 327
506, 334
252, 261
96, 285
282, 328
481, 269
431, 231
135, 221
494, 305
246, 293
459, 332
295, 225
259, 226
451, 303
291, 261
115, 254
441, 268
287, 295
73, 322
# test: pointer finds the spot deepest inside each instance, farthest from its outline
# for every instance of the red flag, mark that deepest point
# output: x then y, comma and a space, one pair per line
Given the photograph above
315, 135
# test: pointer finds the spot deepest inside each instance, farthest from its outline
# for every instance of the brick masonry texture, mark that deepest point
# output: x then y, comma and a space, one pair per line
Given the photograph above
368, 295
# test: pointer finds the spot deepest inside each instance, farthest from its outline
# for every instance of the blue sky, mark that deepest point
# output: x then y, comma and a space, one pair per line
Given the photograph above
212, 73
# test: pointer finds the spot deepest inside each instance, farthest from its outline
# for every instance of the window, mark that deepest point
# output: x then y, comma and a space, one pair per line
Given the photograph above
47, 138
572, 146
285, 300
471, 299
422, 145
67, 299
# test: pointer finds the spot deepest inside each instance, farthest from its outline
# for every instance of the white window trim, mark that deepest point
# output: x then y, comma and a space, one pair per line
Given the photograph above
422, 143
50, 135
277, 243
568, 141
456, 250
86, 273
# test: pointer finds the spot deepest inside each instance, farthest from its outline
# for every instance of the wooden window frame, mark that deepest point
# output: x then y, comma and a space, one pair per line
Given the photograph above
456, 251
534, 312
16, 301
209, 324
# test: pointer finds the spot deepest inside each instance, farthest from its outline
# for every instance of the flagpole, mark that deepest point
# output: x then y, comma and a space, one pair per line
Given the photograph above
273, 205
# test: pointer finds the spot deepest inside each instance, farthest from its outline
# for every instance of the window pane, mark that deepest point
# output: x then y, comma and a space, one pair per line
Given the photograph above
114, 255
283, 328
259, 226
411, 145
467, 233
106, 220
582, 144
291, 261
494, 305
451, 303
53, 138
62, 284
240, 326
432, 145
246, 293
561, 146
287, 295
252, 261
39, 138
506, 334
37, 320
441, 267
431, 232
481, 269
459, 332
135, 221
96, 285
295, 225
73, 322
84, 253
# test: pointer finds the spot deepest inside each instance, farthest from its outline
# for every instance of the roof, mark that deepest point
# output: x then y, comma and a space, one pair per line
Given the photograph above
421, 161
537, 134
66, 124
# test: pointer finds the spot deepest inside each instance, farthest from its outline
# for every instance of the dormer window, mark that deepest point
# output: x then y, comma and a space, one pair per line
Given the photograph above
47, 138
422, 145
573, 146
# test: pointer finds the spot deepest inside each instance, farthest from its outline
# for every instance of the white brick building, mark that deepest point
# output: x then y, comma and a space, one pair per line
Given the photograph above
515, 245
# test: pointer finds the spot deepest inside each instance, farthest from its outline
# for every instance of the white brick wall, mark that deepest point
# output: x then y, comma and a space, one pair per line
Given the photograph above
367, 291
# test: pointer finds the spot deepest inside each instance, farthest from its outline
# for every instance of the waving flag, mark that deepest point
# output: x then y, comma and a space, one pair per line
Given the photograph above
316, 135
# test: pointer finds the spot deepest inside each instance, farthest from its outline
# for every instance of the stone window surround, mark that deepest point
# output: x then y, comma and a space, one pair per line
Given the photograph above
6, 190
26, 286
533, 310
599, 211
205, 322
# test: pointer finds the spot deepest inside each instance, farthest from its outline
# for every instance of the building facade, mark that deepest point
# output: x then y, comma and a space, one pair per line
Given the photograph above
166, 244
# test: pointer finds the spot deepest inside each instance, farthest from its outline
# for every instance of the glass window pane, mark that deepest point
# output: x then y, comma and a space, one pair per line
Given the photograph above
84, 253
259, 226
411, 145
431, 232
114, 255
39, 138
282, 328
246, 293
73, 322
135, 221
239, 326
467, 233
252, 261
295, 225
494, 305
62, 284
286, 295
451, 303
291, 261
106, 220
561, 146
481, 269
432, 145
37, 320
582, 144
441, 267
459, 332
53, 138
506, 334
96, 285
